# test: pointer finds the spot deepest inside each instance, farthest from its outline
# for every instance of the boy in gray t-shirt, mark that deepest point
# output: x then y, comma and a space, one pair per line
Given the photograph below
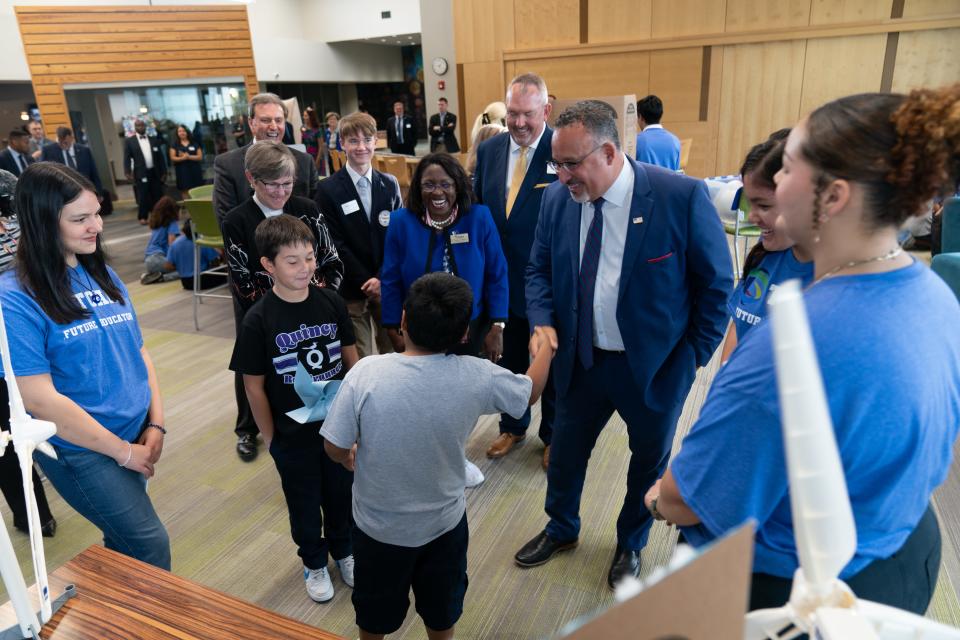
402, 421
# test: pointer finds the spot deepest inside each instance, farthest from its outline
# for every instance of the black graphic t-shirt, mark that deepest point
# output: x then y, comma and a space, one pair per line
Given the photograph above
277, 335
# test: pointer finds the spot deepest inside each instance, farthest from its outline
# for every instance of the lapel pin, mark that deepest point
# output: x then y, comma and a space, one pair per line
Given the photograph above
638, 220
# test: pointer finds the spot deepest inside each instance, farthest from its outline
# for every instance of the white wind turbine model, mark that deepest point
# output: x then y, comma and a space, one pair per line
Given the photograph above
26, 434
820, 604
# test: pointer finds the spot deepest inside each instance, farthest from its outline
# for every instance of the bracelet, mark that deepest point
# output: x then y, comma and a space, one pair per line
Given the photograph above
157, 426
129, 455
653, 509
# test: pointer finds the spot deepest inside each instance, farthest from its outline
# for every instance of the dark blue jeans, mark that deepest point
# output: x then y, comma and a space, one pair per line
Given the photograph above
114, 499
582, 412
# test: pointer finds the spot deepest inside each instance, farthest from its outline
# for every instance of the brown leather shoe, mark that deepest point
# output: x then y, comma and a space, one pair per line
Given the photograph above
502, 445
546, 457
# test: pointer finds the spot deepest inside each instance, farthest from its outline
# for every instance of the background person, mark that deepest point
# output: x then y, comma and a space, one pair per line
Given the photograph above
145, 167
73, 154
853, 171
655, 145
63, 305
443, 129
186, 156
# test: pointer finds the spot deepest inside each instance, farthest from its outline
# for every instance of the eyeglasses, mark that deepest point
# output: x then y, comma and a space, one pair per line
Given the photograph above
570, 166
433, 186
277, 186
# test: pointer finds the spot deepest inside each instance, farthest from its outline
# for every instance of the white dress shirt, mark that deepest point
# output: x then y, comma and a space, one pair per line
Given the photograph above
616, 220
146, 149
514, 155
267, 212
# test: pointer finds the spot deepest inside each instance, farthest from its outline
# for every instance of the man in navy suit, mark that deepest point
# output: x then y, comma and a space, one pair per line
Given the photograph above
76, 156
16, 157
510, 178
356, 202
401, 132
628, 280
144, 165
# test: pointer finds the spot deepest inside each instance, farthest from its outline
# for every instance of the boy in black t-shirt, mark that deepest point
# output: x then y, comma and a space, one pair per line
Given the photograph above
294, 327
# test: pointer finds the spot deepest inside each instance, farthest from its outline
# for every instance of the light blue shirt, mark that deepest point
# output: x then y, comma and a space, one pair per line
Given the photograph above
656, 145
616, 219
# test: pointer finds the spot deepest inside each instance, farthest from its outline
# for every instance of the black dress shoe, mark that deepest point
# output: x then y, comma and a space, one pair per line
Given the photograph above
541, 549
48, 529
247, 447
625, 563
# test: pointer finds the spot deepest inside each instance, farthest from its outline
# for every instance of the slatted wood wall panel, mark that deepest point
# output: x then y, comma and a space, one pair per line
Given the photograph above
729, 71
85, 44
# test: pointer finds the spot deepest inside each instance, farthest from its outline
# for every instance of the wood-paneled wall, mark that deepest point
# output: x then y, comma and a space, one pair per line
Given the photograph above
729, 71
88, 44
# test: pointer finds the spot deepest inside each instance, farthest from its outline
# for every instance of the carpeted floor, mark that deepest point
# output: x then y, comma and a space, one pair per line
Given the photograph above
228, 522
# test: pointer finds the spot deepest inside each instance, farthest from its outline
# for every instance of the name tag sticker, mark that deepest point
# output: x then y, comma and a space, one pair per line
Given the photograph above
191, 149
155, 149
384, 218
408, 125
551, 170
459, 238
350, 207
143, 179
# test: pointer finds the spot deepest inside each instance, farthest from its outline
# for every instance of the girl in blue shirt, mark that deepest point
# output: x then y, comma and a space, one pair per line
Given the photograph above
164, 229
774, 258
853, 171
80, 362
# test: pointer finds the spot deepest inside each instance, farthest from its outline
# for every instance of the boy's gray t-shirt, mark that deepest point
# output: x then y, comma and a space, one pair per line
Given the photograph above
410, 417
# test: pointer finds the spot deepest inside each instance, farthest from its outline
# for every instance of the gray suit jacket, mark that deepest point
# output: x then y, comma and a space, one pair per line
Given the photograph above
230, 186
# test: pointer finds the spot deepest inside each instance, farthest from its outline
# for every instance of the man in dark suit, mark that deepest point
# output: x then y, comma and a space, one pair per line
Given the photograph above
144, 164
268, 119
443, 128
16, 157
628, 280
356, 202
76, 156
401, 133
510, 178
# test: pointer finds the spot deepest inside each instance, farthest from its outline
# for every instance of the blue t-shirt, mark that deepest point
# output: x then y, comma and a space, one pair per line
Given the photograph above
180, 255
95, 361
892, 378
160, 239
748, 303
656, 145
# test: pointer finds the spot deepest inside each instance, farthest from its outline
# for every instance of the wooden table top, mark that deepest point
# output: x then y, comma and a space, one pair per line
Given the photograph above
122, 598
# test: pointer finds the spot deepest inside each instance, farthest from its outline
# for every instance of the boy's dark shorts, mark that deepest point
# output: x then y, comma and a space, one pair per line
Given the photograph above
384, 574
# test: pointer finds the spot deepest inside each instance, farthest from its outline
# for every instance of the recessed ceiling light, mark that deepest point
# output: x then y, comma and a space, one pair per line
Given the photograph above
383, 39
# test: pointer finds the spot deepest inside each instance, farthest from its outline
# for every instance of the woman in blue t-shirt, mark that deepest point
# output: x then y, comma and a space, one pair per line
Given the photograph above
80, 362
884, 329
774, 258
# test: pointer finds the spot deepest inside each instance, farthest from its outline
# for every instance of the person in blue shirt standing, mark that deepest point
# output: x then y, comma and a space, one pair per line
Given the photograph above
884, 329
81, 363
656, 145
774, 259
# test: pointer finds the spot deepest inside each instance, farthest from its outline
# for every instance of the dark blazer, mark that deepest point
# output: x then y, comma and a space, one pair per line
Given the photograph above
446, 134
7, 163
359, 241
133, 154
516, 233
230, 186
409, 136
674, 284
84, 158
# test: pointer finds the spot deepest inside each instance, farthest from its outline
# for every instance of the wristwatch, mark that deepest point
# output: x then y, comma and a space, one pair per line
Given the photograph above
653, 509
502, 325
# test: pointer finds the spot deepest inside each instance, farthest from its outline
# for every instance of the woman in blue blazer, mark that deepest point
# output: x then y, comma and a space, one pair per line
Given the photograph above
442, 230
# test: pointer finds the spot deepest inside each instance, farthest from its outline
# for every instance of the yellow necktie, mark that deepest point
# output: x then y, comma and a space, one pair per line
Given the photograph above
519, 171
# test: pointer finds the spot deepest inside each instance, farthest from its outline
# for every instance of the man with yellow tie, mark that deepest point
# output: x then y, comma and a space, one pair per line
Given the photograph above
510, 178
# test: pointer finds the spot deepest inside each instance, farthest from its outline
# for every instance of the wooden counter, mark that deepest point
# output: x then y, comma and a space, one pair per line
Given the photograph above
119, 597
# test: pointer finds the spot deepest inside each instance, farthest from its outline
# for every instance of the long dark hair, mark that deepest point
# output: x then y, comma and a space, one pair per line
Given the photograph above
453, 169
176, 134
763, 162
43, 190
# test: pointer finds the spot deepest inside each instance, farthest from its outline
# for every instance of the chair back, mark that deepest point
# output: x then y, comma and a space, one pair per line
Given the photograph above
337, 158
950, 239
397, 166
202, 192
206, 228
685, 145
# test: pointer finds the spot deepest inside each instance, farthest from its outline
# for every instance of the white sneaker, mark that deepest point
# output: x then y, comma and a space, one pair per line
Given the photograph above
345, 567
319, 587
474, 475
